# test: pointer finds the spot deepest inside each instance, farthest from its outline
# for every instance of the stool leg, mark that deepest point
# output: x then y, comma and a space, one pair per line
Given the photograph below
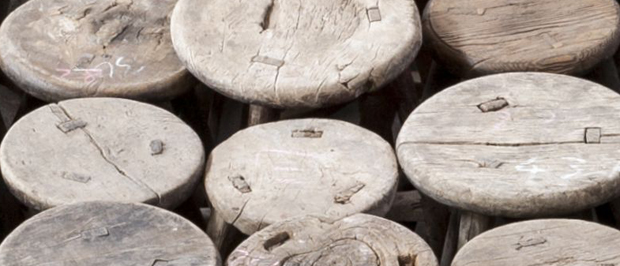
451, 243
218, 229
436, 219
377, 113
606, 74
405, 93
260, 115
438, 79
11, 213
471, 225
194, 110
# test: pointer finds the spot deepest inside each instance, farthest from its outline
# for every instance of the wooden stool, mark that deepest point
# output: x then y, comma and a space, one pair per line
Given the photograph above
359, 239
61, 49
543, 242
515, 145
268, 173
105, 233
289, 54
481, 37
101, 149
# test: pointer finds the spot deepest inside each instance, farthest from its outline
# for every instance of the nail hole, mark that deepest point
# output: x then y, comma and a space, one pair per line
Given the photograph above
406, 260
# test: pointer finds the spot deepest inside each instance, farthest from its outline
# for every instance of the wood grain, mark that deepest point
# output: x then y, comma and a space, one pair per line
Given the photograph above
105, 233
296, 53
356, 240
543, 242
107, 153
60, 49
274, 171
480, 37
547, 145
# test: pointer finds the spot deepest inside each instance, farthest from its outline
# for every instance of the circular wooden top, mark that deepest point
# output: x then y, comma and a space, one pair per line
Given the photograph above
105, 233
516, 145
267, 173
356, 240
60, 49
296, 53
101, 149
543, 242
479, 37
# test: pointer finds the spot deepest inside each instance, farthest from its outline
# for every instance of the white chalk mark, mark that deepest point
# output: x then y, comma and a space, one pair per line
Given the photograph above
111, 73
140, 69
120, 64
530, 167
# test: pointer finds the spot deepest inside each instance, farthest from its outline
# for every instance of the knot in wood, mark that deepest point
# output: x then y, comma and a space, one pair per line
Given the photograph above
157, 147
493, 105
240, 184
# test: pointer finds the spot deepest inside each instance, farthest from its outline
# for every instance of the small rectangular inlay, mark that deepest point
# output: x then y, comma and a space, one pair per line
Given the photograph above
493, 105
95, 232
76, 177
593, 135
307, 133
240, 184
157, 147
374, 14
344, 197
71, 125
268, 61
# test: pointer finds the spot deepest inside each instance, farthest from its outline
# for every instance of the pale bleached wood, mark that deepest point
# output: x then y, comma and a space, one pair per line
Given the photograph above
260, 115
480, 37
527, 158
356, 240
118, 150
470, 225
218, 229
105, 233
59, 49
274, 171
287, 54
543, 242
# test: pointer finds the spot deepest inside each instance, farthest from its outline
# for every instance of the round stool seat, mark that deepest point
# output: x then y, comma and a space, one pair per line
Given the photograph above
360, 239
267, 173
106, 233
60, 49
543, 242
101, 149
516, 145
482, 37
289, 54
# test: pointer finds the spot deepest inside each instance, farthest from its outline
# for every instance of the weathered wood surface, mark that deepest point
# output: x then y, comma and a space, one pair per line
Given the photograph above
480, 37
260, 115
101, 149
543, 242
356, 240
296, 53
470, 225
104, 233
271, 172
59, 49
547, 145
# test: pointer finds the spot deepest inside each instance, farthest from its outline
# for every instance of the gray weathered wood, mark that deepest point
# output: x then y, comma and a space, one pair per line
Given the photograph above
59, 49
543, 242
356, 240
101, 149
105, 233
260, 115
296, 53
470, 225
547, 145
451, 244
270, 172
407, 207
480, 37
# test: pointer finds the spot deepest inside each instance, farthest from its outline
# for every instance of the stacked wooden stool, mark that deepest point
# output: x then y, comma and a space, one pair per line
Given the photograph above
105, 233
62, 49
268, 173
290, 54
517, 145
101, 149
359, 239
481, 37
543, 242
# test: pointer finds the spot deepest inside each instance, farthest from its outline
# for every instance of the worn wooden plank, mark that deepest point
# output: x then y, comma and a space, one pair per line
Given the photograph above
109, 157
290, 54
57, 50
106, 233
543, 242
532, 157
356, 240
270, 172
482, 37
